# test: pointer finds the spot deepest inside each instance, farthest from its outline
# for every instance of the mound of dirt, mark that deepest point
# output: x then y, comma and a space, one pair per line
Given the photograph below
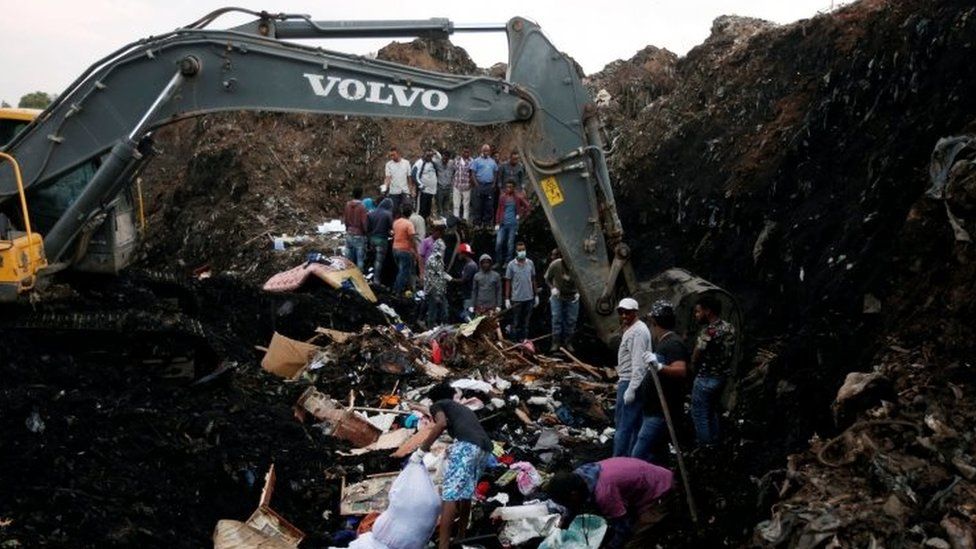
784, 166
225, 184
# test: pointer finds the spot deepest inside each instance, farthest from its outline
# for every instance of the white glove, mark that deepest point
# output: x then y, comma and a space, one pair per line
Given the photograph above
536, 301
447, 276
508, 303
471, 309
497, 227
417, 456
498, 309
652, 359
630, 395
575, 297
554, 292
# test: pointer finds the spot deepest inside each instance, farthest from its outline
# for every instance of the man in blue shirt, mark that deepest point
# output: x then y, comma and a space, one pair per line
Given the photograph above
484, 171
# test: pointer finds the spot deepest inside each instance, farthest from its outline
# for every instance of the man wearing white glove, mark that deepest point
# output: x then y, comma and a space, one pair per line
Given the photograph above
631, 368
520, 292
670, 359
563, 301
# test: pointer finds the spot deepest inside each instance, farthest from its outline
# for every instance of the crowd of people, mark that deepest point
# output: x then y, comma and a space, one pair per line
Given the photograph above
418, 200
657, 371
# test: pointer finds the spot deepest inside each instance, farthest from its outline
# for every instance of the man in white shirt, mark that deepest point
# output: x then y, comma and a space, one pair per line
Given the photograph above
424, 175
631, 368
462, 184
397, 181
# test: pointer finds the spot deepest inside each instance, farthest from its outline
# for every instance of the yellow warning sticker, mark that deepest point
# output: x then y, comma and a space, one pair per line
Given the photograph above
553, 193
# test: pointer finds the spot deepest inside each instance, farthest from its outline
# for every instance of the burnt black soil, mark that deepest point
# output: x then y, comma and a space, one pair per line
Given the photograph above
128, 457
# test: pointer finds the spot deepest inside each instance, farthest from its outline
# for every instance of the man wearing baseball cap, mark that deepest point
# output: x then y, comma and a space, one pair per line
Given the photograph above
670, 358
631, 368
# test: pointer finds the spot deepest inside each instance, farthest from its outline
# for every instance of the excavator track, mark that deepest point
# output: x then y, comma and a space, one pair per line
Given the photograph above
162, 336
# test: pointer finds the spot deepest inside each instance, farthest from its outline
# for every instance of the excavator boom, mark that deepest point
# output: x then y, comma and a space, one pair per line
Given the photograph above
102, 117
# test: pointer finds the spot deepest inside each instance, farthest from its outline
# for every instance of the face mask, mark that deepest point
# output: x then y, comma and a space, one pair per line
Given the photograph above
520, 255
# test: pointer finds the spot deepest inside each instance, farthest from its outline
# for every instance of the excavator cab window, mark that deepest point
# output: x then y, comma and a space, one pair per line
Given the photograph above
14, 120
9, 128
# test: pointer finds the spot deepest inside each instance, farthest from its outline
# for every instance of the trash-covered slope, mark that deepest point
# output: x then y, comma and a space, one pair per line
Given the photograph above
788, 165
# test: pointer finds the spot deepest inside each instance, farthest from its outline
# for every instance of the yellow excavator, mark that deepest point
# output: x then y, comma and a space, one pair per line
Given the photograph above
21, 252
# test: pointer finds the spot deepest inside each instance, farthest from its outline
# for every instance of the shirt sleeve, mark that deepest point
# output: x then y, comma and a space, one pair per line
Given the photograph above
609, 501
638, 370
549, 274
387, 170
508, 271
498, 291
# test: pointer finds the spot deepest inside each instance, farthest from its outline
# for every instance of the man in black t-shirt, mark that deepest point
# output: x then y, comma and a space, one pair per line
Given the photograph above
670, 358
465, 458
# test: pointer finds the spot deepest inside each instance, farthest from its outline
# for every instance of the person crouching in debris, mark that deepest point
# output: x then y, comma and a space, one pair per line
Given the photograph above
712, 361
464, 461
628, 492
435, 285
631, 369
670, 358
486, 289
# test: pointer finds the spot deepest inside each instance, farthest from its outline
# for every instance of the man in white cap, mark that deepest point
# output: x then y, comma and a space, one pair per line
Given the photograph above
631, 368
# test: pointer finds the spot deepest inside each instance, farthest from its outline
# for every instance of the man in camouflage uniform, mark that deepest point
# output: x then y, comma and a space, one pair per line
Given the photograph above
712, 362
435, 285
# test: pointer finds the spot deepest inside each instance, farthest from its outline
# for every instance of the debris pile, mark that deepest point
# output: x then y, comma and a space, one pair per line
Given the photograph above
902, 469
361, 388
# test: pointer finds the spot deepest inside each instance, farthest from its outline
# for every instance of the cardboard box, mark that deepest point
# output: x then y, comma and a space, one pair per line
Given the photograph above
264, 528
287, 357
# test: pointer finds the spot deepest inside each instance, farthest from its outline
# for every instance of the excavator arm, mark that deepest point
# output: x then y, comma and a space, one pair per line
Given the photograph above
194, 70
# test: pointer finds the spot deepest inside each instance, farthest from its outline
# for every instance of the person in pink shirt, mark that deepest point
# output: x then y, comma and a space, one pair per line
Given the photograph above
626, 491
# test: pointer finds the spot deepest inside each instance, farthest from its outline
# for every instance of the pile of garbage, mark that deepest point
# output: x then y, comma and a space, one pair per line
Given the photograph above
360, 389
901, 470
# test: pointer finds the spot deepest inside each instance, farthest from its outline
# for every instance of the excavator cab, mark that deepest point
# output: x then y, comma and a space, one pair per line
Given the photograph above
21, 252
14, 120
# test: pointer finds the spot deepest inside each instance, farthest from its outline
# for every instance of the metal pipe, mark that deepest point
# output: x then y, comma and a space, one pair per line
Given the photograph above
105, 180
593, 128
652, 369
164, 96
307, 28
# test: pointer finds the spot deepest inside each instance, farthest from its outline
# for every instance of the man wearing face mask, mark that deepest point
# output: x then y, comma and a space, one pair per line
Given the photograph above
631, 368
520, 292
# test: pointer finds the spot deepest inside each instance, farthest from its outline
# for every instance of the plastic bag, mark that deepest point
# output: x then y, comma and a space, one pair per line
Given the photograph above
366, 541
410, 519
585, 532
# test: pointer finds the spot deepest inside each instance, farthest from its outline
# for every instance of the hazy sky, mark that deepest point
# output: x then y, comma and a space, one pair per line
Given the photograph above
46, 44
